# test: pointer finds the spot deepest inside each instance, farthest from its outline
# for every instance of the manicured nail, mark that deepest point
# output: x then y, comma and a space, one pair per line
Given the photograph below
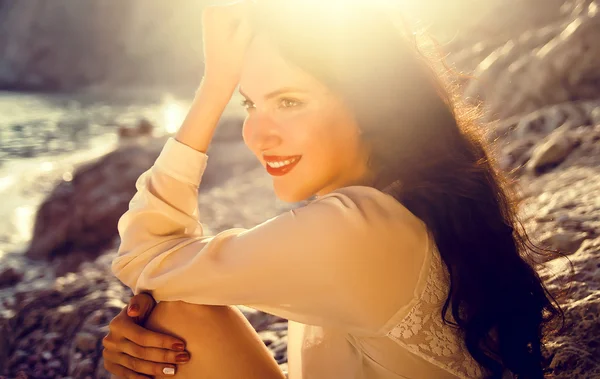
134, 308
178, 347
169, 371
182, 358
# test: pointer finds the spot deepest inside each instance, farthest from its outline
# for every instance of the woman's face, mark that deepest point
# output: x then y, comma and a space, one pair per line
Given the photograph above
303, 134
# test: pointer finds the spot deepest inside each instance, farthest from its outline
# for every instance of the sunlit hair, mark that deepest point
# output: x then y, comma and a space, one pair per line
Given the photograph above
428, 152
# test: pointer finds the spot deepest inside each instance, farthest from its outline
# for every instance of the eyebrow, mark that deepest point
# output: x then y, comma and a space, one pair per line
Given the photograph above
275, 93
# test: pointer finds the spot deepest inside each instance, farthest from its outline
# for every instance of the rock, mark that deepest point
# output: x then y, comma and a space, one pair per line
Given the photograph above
86, 342
516, 153
261, 321
9, 277
59, 328
552, 151
81, 215
55, 364
83, 368
564, 241
528, 71
576, 347
143, 128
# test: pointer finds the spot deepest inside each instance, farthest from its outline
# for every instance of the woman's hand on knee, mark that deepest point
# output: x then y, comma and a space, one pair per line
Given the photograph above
132, 351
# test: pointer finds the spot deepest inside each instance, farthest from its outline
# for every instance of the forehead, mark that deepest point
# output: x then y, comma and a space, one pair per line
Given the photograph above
265, 69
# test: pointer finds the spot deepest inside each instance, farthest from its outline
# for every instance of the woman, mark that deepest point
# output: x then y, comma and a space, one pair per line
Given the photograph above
408, 263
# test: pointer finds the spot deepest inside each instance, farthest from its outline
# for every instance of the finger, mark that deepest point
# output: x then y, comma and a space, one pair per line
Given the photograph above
138, 366
140, 306
153, 354
122, 372
148, 338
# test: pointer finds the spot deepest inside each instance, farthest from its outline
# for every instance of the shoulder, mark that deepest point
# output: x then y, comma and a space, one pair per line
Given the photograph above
383, 245
368, 215
371, 204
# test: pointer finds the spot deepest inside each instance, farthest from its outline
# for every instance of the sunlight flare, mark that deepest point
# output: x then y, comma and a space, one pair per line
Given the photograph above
173, 114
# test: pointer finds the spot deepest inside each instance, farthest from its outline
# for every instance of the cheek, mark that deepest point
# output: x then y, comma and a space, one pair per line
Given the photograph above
309, 128
250, 133
324, 135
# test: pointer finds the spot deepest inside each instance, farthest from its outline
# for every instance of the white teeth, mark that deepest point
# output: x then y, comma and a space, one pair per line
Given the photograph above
281, 163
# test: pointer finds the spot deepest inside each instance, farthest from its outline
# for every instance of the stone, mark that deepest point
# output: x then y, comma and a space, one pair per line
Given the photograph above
79, 218
55, 364
86, 342
551, 151
82, 368
143, 128
564, 241
10, 276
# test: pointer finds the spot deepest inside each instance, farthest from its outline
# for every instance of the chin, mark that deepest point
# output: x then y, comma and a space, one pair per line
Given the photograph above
291, 194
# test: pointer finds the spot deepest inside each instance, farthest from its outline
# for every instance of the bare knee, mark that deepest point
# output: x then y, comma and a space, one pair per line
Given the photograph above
221, 342
182, 318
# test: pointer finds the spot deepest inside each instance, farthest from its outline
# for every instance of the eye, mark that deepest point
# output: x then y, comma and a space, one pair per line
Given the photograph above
248, 104
289, 103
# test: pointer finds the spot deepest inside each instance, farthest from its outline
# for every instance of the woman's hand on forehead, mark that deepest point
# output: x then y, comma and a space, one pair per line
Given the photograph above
227, 33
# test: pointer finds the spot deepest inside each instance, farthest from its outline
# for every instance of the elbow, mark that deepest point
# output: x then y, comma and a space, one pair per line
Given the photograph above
121, 271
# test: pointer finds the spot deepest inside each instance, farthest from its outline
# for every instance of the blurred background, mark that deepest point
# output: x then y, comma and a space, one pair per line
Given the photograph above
90, 90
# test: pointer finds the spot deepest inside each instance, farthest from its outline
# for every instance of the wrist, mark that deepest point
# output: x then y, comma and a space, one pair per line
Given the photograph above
218, 87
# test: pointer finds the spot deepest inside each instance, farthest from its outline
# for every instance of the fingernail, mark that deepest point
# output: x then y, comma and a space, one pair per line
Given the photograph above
169, 371
182, 358
178, 347
134, 308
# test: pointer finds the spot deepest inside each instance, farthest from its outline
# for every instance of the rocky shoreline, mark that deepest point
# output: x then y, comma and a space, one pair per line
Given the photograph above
541, 93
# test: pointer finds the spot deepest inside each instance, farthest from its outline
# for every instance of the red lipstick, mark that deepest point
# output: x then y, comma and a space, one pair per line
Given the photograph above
278, 165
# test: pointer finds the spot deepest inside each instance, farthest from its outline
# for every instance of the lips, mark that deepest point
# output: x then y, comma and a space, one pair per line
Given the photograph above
281, 165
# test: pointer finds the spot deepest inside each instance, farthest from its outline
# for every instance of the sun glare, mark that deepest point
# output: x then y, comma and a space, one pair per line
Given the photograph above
440, 14
23, 221
173, 113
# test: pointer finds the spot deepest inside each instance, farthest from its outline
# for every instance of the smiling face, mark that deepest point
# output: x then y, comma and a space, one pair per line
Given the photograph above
303, 134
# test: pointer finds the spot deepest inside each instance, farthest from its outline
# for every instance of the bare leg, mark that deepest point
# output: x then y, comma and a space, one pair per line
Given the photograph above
221, 342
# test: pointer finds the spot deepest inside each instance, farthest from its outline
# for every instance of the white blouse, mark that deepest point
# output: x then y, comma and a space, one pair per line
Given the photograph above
353, 271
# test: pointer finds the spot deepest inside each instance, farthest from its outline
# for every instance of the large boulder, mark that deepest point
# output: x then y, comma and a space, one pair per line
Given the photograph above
543, 67
80, 215
79, 218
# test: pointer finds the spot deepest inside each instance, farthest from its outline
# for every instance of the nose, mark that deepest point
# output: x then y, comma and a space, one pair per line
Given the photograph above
261, 133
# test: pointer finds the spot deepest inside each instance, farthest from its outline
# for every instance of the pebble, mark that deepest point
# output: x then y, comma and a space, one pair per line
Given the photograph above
86, 342
551, 151
9, 277
54, 364
279, 326
564, 241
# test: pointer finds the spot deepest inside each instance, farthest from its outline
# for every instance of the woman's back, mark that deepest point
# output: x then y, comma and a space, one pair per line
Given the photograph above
415, 343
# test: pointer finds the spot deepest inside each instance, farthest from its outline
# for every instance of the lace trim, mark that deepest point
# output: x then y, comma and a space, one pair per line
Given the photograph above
423, 332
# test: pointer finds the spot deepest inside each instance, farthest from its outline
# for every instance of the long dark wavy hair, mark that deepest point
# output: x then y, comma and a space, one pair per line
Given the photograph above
429, 153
